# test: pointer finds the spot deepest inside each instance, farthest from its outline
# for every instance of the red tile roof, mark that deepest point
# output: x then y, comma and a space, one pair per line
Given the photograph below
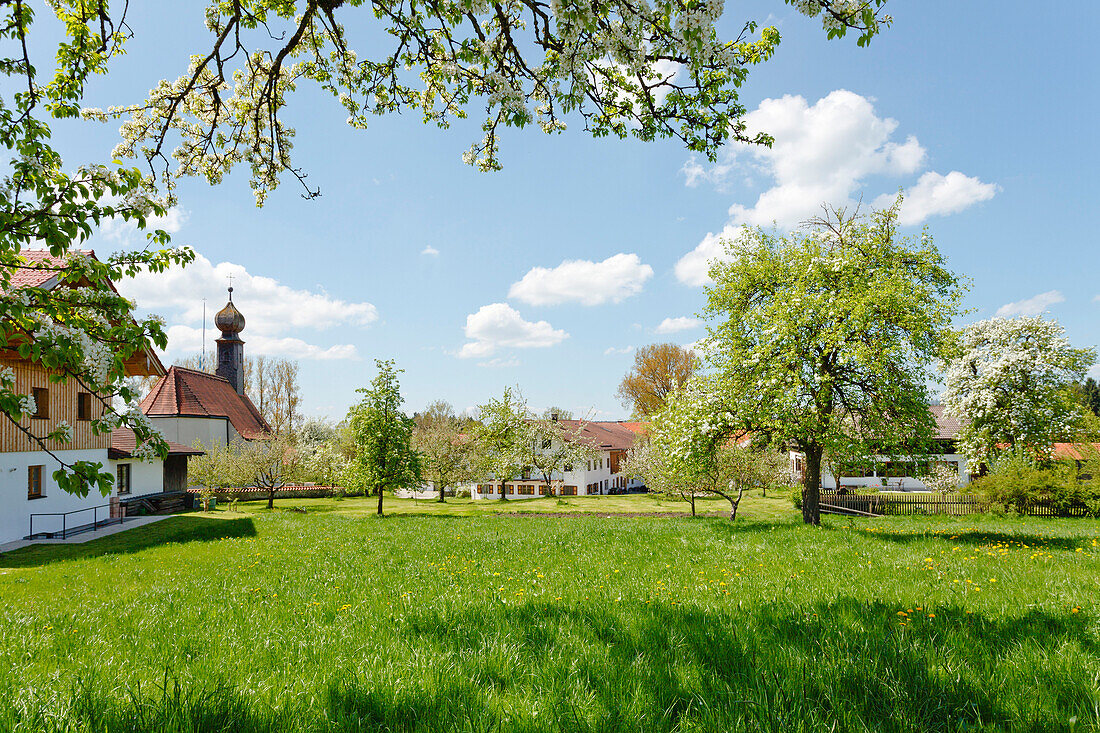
191, 393
605, 435
947, 427
123, 443
30, 277
1074, 451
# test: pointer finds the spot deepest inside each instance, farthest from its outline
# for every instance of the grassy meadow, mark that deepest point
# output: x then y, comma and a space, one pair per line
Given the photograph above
320, 617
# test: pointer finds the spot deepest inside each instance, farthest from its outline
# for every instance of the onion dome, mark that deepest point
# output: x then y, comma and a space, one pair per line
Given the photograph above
229, 320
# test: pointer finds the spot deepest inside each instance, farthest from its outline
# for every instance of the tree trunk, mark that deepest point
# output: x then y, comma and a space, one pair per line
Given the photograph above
442, 489
735, 502
379, 489
271, 498
501, 498
811, 487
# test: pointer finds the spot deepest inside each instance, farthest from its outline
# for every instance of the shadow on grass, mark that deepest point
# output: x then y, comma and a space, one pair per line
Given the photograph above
842, 665
977, 537
184, 528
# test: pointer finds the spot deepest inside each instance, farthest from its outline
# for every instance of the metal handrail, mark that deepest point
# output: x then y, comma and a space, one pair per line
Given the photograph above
65, 530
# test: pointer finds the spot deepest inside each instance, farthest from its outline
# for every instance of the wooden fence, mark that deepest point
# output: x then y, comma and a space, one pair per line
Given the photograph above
942, 504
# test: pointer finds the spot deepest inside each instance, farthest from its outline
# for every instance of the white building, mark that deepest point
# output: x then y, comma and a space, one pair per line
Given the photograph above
896, 473
27, 486
602, 475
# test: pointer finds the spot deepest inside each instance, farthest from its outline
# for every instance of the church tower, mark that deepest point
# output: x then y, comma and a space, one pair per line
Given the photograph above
230, 346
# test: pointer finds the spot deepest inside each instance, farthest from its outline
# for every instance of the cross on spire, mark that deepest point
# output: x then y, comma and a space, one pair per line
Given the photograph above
230, 277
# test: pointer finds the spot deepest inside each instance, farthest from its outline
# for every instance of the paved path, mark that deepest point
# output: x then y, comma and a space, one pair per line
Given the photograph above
87, 536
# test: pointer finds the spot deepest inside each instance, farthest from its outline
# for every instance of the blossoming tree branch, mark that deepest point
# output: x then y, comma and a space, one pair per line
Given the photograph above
617, 67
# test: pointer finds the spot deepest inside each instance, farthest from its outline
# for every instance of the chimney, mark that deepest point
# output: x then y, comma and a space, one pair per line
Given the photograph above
230, 346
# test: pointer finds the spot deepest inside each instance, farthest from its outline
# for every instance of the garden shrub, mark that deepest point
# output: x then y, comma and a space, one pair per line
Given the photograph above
1016, 481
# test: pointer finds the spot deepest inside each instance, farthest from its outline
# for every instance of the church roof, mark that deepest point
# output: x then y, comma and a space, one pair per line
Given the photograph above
123, 443
190, 393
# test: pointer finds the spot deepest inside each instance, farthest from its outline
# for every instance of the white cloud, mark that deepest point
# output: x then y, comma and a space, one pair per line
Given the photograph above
498, 325
692, 268
1031, 306
823, 153
271, 309
187, 339
430, 251
582, 281
610, 350
1094, 371
500, 363
675, 325
124, 232
936, 195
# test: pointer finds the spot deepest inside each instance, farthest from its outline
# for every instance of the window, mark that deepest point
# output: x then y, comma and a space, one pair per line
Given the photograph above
122, 480
34, 482
568, 490
590, 465
83, 406
41, 402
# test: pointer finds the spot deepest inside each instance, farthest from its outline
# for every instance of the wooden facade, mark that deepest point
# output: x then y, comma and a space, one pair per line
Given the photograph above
64, 404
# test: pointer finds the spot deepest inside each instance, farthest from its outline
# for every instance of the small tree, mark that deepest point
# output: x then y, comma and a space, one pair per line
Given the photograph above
650, 461
501, 438
382, 434
706, 451
273, 464
1013, 383
554, 449
446, 453
943, 478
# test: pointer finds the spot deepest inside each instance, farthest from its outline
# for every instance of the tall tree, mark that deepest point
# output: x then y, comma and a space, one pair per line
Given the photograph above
382, 434
1090, 395
621, 68
446, 452
501, 438
824, 339
658, 370
1013, 382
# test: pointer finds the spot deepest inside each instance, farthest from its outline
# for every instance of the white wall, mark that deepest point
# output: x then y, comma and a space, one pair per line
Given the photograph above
906, 483
186, 430
580, 478
16, 508
146, 477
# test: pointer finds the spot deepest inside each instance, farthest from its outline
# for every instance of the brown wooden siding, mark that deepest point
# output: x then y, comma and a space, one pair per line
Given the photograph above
63, 406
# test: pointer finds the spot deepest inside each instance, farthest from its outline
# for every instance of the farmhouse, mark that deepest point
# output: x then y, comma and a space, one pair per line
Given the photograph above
895, 473
26, 470
188, 405
602, 475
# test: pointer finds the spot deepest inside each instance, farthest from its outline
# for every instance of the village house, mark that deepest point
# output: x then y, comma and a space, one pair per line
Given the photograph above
26, 470
603, 474
895, 473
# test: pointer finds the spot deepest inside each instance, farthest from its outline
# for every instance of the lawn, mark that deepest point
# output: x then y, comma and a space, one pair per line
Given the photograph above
333, 620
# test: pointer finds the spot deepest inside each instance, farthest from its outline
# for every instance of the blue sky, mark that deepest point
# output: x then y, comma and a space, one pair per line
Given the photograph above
986, 121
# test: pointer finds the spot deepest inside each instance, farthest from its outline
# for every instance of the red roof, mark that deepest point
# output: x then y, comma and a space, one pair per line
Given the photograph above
605, 435
947, 427
1074, 451
30, 277
123, 443
191, 393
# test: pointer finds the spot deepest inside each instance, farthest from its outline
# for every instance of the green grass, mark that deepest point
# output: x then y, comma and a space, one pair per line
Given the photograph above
332, 621
753, 507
